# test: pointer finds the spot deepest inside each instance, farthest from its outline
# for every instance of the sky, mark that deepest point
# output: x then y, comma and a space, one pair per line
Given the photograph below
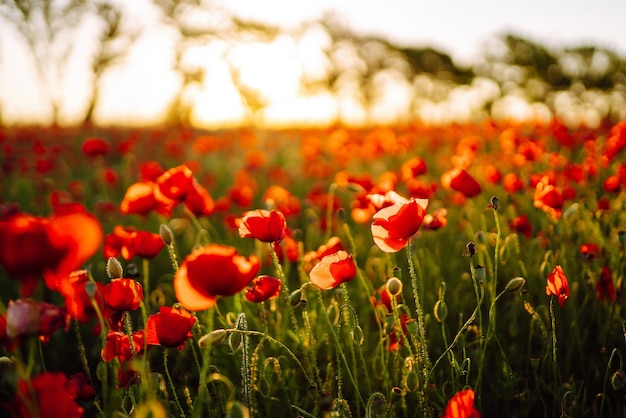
461, 28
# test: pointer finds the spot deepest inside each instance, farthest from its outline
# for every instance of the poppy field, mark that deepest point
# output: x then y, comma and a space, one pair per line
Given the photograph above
404, 271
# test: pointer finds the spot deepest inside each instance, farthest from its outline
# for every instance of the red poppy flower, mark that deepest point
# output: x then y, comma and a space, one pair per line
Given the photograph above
492, 174
605, 289
79, 305
128, 242
412, 168
117, 345
461, 405
26, 318
557, 285
198, 200
92, 147
174, 184
522, 225
589, 251
333, 270
44, 396
395, 224
53, 247
264, 225
460, 180
170, 327
77, 386
122, 295
263, 288
212, 271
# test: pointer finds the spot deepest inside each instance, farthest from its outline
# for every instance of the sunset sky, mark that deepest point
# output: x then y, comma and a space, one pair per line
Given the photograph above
458, 27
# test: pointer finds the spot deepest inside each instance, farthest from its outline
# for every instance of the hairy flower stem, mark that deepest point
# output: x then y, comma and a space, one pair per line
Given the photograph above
292, 315
128, 326
423, 352
172, 387
479, 299
554, 363
340, 353
145, 273
496, 262
355, 325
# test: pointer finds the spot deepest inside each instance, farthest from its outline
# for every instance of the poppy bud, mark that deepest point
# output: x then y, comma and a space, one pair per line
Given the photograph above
515, 284
166, 234
213, 338
114, 268
394, 286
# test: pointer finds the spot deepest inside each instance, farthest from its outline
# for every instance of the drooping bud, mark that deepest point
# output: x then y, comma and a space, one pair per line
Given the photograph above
515, 284
114, 269
213, 338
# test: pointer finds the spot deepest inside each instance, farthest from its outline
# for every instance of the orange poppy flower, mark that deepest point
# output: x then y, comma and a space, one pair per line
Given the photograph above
589, 251
557, 285
280, 198
139, 199
512, 183
436, 220
170, 327
548, 198
334, 269
460, 180
263, 288
264, 225
46, 394
395, 224
211, 271
461, 405
53, 247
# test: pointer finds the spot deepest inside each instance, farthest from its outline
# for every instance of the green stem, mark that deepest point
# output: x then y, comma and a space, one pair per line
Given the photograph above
169, 379
423, 353
554, 363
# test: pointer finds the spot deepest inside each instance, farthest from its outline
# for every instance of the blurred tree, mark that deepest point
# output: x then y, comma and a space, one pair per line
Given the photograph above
54, 31
196, 24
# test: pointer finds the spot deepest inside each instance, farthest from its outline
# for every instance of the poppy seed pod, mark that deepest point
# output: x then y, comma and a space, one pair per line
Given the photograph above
394, 286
